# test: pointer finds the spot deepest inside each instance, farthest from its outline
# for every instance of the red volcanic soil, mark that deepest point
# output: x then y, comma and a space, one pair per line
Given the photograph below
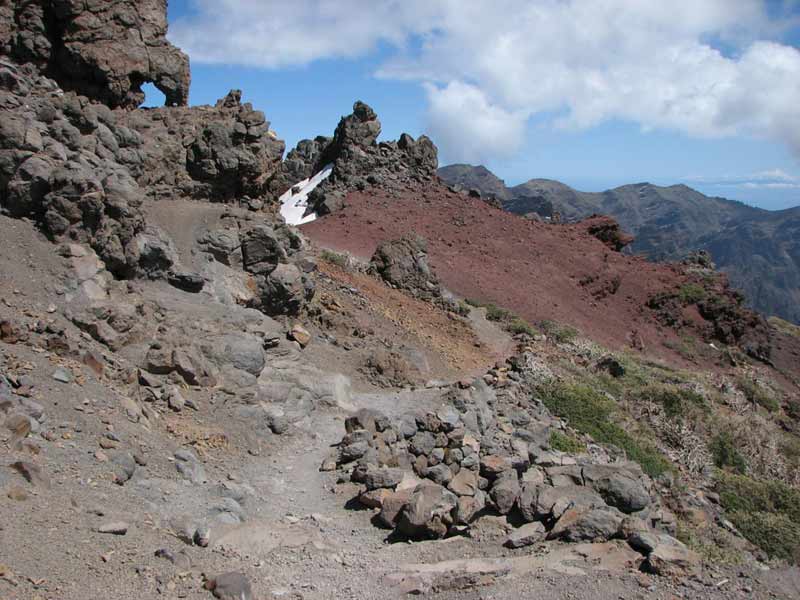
540, 271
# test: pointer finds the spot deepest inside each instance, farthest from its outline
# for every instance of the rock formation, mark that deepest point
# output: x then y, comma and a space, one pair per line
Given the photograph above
102, 50
358, 160
222, 153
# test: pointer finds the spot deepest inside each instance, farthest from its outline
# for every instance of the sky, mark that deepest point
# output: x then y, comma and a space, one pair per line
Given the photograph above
594, 93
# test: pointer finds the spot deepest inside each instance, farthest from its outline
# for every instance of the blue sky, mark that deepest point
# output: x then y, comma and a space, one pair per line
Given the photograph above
420, 69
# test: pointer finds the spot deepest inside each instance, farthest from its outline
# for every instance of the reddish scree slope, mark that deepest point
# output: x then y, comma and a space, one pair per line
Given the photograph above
538, 270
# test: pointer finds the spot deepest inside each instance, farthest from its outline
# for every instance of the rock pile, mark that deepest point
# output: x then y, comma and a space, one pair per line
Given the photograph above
432, 474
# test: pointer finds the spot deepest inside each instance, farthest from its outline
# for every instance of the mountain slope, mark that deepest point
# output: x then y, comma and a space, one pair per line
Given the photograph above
757, 248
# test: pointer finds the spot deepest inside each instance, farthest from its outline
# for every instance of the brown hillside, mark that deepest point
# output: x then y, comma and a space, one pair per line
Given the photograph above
541, 271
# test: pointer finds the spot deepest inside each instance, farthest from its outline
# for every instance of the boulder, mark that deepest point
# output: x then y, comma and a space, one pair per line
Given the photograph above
672, 559
465, 483
383, 477
392, 506
528, 534
469, 507
403, 263
619, 486
429, 512
505, 492
548, 501
586, 525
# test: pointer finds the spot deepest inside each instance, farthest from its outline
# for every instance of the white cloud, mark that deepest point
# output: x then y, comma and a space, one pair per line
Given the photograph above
490, 65
461, 116
773, 179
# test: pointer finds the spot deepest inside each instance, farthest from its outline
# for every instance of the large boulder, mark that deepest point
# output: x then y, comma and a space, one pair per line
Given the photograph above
587, 525
620, 486
403, 263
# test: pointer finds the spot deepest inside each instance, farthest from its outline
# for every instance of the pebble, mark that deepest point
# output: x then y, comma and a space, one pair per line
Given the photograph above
62, 375
115, 528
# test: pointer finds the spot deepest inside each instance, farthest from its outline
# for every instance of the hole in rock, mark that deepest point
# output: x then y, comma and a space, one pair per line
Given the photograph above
153, 97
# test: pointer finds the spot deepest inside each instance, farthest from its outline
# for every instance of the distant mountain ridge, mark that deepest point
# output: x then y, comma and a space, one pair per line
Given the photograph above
757, 248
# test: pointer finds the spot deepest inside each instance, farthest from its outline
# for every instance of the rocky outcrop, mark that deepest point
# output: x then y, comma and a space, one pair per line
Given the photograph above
359, 160
222, 153
608, 231
725, 317
102, 50
66, 164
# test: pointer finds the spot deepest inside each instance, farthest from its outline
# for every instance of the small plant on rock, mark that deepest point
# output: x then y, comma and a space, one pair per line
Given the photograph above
563, 334
340, 260
566, 443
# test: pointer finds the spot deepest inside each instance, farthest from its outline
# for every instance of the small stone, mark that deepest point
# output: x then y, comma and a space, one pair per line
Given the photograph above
202, 536
299, 334
528, 534
179, 559
17, 493
94, 362
107, 444
115, 528
230, 586
62, 375
175, 399
124, 467
19, 425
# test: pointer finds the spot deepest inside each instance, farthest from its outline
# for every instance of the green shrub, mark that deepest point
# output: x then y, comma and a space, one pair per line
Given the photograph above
566, 443
563, 334
686, 346
691, 293
677, 401
517, 325
495, 313
785, 326
744, 494
340, 260
723, 449
590, 412
511, 322
758, 394
463, 308
776, 534
765, 512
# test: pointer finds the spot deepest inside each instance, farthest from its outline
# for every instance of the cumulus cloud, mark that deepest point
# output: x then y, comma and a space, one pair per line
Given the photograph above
489, 66
461, 116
